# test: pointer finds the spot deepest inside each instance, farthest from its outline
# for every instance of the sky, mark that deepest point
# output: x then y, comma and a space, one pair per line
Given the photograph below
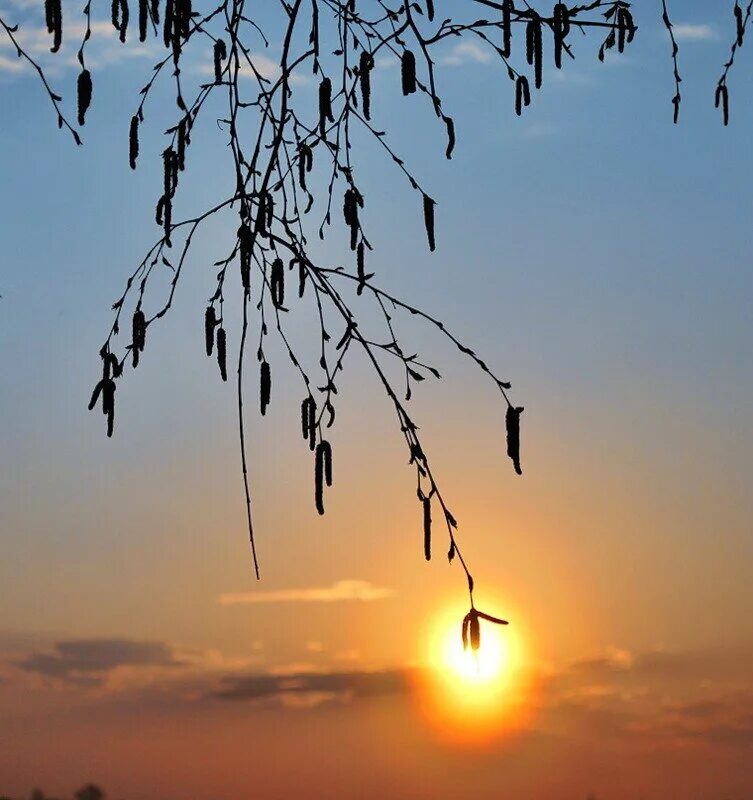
592, 253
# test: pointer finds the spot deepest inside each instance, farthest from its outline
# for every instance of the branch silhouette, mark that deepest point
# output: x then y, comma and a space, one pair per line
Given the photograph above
339, 43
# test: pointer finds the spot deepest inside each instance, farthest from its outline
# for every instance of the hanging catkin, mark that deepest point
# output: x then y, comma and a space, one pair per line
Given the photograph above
512, 424
265, 386
308, 421
507, 9
429, 221
474, 631
408, 72
325, 105
245, 249
522, 94
222, 352
277, 283
322, 472
739, 23
210, 322
427, 528
534, 54
561, 27
220, 54
361, 267
54, 18
143, 19
84, 87
138, 335
722, 98
365, 65
133, 141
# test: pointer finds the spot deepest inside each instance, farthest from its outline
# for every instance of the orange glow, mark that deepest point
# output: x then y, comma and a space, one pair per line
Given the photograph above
472, 698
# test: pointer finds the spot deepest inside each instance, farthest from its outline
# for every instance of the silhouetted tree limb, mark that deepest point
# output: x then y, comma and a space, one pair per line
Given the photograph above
299, 163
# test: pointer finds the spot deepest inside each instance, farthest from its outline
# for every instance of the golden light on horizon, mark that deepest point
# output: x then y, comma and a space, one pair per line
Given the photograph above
472, 697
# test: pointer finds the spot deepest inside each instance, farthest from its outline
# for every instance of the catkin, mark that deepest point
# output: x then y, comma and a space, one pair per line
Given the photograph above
474, 631
305, 164
408, 72
430, 10
84, 87
54, 19
210, 322
512, 424
277, 283
265, 386
167, 30
220, 54
308, 421
246, 246
155, 12
429, 221
108, 403
133, 141
722, 98
351, 203
365, 65
507, 9
222, 352
522, 94
561, 30
138, 335
301, 278
450, 124
361, 267
534, 49
143, 19
322, 472
739, 23
427, 528
325, 105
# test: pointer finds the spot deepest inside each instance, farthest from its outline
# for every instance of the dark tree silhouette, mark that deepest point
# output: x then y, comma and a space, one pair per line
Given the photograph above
89, 792
276, 139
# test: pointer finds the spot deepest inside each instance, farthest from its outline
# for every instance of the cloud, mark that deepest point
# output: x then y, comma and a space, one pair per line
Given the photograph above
89, 660
322, 685
694, 33
339, 591
467, 53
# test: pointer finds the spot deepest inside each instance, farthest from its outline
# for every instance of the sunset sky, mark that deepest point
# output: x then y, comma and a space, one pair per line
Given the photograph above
594, 255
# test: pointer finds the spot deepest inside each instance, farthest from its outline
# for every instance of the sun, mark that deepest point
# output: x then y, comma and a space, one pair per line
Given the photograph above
472, 696
485, 667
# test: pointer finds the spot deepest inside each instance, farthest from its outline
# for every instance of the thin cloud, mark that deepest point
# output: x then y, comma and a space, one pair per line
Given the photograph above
467, 52
694, 33
340, 591
89, 660
328, 685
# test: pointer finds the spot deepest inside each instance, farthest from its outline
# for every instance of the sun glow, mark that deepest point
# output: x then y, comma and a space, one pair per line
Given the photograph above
472, 696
